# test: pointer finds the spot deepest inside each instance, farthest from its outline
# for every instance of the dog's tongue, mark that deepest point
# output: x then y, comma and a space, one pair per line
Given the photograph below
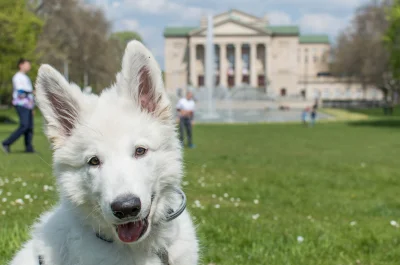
130, 232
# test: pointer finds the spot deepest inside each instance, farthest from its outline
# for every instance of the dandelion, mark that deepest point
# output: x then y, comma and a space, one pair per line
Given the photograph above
217, 206
256, 201
226, 195
9, 194
4, 199
300, 239
220, 198
394, 223
353, 223
255, 216
232, 199
214, 196
24, 184
3, 212
19, 201
45, 188
46, 202
27, 196
236, 204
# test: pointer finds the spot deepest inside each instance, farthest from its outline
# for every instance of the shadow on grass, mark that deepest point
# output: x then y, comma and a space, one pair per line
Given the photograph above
388, 123
6, 120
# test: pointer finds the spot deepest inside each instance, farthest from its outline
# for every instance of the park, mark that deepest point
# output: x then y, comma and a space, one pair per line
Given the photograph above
261, 186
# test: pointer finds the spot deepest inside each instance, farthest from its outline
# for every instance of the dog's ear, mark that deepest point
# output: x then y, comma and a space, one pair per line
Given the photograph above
141, 80
59, 103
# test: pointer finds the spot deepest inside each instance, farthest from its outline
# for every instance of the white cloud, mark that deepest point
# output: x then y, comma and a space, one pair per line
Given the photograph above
128, 24
322, 23
279, 18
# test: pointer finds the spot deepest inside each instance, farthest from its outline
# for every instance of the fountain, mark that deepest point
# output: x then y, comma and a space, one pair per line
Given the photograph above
209, 70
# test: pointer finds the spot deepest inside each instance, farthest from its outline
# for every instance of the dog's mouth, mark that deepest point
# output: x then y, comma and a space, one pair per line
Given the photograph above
132, 231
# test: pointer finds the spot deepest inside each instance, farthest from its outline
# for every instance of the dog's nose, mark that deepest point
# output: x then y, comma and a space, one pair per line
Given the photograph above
127, 205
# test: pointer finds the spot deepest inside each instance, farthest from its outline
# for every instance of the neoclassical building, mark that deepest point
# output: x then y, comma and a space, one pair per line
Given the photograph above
248, 50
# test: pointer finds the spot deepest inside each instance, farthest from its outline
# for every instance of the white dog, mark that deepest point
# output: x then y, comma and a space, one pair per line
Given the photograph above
118, 166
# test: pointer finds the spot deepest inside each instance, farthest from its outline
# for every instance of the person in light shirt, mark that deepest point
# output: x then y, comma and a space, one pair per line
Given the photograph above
185, 108
23, 101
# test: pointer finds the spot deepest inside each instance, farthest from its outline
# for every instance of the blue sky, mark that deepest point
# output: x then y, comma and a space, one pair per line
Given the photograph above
150, 17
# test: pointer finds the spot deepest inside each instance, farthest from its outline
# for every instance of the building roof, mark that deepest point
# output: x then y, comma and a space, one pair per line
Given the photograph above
275, 30
284, 30
309, 39
178, 31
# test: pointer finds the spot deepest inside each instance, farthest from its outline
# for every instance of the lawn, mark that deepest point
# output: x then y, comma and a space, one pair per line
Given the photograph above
260, 194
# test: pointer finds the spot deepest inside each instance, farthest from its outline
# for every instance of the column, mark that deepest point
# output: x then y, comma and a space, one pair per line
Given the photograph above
266, 70
192, 68
253, 70
238, 64
223, 66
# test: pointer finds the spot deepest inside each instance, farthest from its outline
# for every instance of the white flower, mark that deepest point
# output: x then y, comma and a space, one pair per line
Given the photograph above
236, 204
185, 183
255, 216
24, 184
30, 200
4, 200
27, 196
394, 223
46, 202
238, 199
214, 196
226, 195
50, 187
232, 199
19, 201
203, 185
9, 193
3, 212
45, 188
220, 198
256, 201
197, 203
300, 239
6, 181
217, 206
353, 223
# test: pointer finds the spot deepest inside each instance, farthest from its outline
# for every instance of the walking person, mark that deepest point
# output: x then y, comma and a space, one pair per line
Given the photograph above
185, 108
24, 103
313, 115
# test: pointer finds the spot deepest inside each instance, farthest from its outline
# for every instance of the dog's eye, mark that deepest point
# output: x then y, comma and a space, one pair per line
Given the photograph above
94, 161
140, 151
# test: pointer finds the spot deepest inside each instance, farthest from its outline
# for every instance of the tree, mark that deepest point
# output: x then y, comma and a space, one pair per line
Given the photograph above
78, 36
19, 32
120, 40
360, 54
392, 38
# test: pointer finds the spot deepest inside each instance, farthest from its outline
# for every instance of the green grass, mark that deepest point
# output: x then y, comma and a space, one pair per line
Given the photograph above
308, 182
377, 112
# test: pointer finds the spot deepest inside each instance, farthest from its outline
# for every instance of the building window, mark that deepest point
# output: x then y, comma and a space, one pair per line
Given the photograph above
201, 80
283, 92
303, 93
261, 80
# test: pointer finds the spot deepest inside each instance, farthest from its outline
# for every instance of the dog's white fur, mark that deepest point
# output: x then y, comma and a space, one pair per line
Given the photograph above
134, 112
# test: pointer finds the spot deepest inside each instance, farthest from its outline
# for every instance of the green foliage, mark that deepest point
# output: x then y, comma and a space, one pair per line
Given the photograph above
392, 37
125, 36
336, 185
19, 31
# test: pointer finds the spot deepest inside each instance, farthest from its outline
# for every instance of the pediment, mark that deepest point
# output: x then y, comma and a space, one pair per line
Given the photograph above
231, 27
